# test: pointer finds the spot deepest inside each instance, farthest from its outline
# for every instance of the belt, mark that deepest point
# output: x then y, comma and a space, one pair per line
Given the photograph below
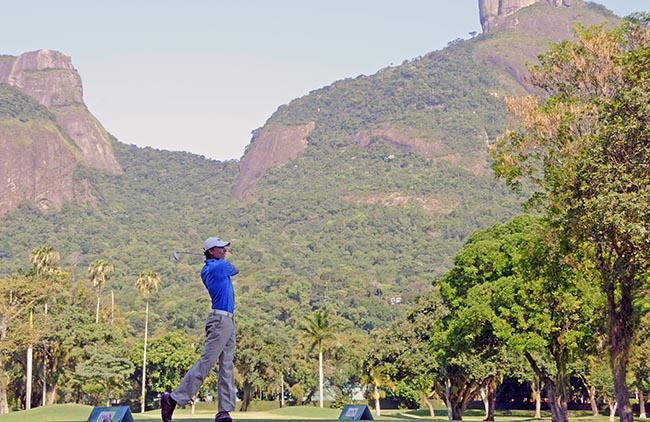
220, 312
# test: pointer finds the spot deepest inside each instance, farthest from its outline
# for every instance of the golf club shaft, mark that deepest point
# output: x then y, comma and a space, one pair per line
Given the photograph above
176, 253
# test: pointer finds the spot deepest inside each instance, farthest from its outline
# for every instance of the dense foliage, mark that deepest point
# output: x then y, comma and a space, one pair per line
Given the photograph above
15, 104
584, 142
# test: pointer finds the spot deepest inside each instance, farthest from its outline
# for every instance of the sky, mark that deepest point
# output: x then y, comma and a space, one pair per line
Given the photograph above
201, 75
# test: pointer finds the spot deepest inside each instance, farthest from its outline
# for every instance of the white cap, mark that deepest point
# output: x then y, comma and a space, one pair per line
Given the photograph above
211, 242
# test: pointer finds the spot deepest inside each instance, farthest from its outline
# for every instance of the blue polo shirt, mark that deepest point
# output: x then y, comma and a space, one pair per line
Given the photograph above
216, 278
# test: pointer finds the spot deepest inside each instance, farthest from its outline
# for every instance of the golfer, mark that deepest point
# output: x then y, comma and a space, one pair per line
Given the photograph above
219, 337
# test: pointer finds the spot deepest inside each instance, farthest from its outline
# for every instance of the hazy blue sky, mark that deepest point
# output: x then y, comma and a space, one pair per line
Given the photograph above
200, 75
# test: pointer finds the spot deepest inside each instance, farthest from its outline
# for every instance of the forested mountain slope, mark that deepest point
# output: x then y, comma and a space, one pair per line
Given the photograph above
389, 175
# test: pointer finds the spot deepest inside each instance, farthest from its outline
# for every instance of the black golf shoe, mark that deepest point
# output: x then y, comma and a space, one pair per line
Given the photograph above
223, 417
167, 406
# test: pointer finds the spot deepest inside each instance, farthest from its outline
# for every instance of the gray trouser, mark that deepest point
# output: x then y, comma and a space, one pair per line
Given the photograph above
219, 343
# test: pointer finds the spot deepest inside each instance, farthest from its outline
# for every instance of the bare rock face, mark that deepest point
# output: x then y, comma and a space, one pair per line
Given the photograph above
49, 77
61, 86
493, 13
271, 147
40, 170
38, 158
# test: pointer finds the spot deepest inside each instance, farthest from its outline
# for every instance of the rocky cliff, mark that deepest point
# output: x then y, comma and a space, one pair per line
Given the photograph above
38, 153
272, 146
495, 13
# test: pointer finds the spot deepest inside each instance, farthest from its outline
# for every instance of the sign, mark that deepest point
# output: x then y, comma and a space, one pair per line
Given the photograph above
355, 412
111, 414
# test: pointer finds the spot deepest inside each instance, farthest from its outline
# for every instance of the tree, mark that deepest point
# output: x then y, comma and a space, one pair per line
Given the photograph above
253, 362
510, 289
405, 348
104, 374
147, 283
19, 295
69, 338
97, 271
44, 261
379, 380
319, 329
582, 140
169, 355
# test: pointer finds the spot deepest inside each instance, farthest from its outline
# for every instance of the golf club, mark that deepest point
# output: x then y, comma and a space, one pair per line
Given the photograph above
177, 258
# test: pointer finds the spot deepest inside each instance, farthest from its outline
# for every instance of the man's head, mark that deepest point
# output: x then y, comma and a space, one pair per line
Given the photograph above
213, 247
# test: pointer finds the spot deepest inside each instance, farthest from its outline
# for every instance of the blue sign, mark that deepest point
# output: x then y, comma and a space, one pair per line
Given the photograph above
111, 414
355, 412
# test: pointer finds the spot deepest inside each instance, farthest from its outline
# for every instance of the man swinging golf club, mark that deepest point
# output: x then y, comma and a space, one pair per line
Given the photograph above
219, 337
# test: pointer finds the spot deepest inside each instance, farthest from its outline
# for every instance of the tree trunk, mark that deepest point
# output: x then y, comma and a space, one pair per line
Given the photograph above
642, 414
450, 412
97, 309
612, 410
484, 399
537, 395
619, 348
44, 384
51, 395
376, 396
246, 399
491, 398
4, 378
320, 376
144, 359
558, 389
281, 390
618, 285
28, 378
592, 400
427, 402
4, 405
457, 411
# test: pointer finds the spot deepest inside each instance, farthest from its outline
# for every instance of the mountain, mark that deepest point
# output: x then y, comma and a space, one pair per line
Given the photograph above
422, 104
46, 131
353, 196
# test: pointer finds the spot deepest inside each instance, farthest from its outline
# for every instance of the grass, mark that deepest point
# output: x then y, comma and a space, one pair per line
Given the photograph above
80, 413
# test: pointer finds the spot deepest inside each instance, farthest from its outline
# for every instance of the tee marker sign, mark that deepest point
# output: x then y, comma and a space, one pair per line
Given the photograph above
355, 412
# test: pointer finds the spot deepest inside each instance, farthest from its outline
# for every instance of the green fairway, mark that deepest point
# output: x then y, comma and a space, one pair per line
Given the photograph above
80, 413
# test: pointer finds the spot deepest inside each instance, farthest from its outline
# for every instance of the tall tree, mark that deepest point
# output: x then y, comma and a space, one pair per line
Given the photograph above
583, 141
147, 283
319, 329
44, 261
98, 271
19, 295
379, 381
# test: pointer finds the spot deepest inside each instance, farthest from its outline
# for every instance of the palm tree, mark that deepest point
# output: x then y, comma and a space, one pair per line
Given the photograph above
379, 379
318, 328
97, 271
44, 261
147, 283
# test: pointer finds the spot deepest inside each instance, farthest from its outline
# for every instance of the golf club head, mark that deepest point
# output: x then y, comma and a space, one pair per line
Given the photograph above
176, 257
